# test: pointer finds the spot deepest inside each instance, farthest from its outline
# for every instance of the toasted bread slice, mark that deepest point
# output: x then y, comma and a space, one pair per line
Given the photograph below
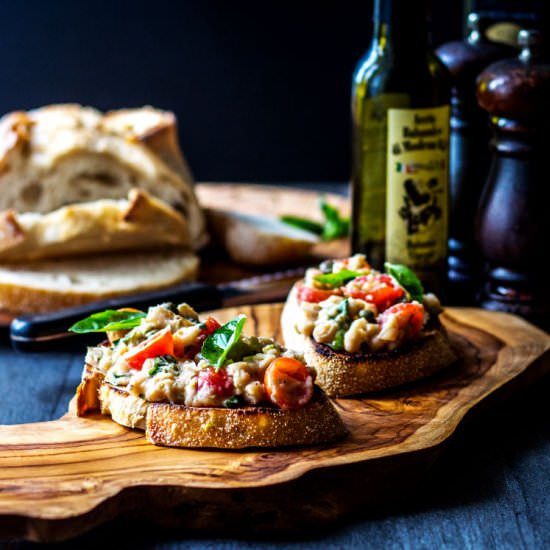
174, 425
180, 426
342, 374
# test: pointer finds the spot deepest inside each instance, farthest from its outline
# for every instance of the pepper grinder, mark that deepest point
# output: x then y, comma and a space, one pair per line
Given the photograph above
513, 222
469, 157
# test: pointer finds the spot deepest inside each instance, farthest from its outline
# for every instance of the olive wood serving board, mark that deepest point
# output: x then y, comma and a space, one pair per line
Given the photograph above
60, 478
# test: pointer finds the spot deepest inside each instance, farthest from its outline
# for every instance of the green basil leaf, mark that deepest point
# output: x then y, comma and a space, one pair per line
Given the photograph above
407, 279
337, 279
218, 345
335, 226
161, 362
303, 223
109, 319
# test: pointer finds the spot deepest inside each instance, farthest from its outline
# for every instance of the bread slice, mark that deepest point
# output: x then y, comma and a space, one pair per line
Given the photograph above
179, 426
29, 287
259, 240
138, 222
64, 154
343, 374
174, 425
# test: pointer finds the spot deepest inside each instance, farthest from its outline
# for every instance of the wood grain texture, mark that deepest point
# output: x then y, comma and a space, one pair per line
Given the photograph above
62, 477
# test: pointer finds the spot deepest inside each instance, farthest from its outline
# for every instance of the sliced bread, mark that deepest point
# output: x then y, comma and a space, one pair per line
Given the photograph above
30, 287
174, 425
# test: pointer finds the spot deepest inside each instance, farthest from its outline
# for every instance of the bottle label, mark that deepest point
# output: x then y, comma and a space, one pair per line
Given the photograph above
369, 195
417, 184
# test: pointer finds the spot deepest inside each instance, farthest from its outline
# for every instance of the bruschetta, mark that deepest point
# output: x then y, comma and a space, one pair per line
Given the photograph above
363, 330
193, 383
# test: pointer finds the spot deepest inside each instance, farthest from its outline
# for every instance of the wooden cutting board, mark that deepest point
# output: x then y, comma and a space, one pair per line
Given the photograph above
60, 478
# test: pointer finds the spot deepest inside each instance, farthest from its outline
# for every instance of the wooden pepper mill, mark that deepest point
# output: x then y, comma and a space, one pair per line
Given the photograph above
513, 224
469, 154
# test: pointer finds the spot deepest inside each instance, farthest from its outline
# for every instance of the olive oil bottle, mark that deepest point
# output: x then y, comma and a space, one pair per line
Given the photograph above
400, 115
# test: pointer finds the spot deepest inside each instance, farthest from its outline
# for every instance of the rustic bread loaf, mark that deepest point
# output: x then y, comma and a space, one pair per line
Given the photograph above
31, 287
140, 222
64, 154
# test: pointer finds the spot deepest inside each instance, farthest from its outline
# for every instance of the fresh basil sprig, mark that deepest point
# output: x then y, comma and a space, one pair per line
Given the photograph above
107, 320
407, 279
337, 279
334, 226
217, 346
303, 223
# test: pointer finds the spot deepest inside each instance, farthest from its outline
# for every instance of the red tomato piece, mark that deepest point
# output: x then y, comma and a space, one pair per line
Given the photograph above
381, 290
315, 295
219, 383
210, 325
410, 317
160, 343
288, 383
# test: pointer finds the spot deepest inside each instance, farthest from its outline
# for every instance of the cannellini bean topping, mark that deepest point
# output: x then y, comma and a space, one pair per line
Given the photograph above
353, 318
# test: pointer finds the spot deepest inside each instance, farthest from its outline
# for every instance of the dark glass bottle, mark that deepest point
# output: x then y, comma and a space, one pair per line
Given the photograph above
400, 113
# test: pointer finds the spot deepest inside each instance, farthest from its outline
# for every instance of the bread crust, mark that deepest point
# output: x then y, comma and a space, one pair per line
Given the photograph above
343, 374
62, 154
174, 425
140, 222
179, 426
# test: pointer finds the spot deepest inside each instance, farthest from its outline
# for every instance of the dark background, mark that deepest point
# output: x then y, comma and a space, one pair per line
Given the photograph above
261, 89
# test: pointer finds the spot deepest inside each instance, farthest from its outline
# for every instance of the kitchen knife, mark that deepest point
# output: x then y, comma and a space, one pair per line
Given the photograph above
47, 331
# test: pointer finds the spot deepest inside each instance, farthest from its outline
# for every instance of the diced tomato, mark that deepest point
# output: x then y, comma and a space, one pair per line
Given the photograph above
315, 295
288, 383
410, 317
210, 325
381, 290
219, 383
160, 343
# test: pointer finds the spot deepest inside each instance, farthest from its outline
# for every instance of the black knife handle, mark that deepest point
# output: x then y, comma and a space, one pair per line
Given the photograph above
43, 331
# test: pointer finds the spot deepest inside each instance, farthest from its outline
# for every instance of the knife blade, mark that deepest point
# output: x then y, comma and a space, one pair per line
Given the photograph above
46, 331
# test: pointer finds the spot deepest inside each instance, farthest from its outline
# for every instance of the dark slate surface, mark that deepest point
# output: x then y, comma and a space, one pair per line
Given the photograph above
490, 488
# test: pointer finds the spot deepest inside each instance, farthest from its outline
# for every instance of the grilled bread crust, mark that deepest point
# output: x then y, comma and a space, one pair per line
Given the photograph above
179, 426
173, 425
343, 374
